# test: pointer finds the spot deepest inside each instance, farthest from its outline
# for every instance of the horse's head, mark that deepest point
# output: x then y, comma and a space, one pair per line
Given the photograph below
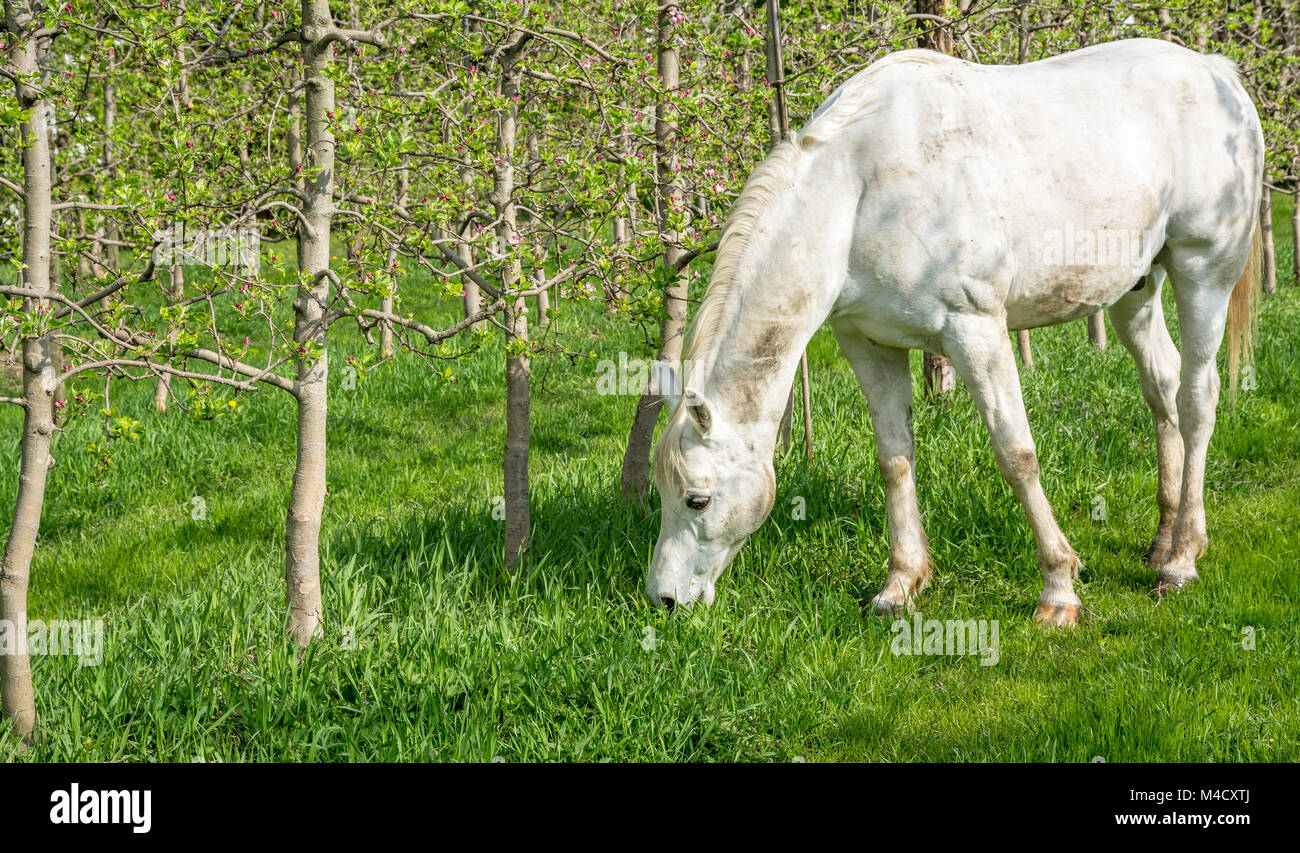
715, 488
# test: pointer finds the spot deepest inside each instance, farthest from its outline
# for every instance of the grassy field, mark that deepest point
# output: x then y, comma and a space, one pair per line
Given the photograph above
433, 653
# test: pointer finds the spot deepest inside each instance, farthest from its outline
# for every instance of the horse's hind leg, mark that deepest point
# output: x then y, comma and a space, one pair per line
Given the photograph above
1202, 286
981, 351
1139, 321
887, 382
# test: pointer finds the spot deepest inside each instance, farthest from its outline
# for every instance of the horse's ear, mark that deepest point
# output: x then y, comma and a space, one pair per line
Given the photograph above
699, 409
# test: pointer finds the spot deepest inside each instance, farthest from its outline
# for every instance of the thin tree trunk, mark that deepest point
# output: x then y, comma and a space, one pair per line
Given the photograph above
1097, 329
293, 137
940, 374
111, 233
386, 347
778, 113
624, 147
1022, 41
1295, 237
518, 433
778, 116
1269, 275
175, 292
472, 300
633, 204
84, 269
307, 498
56, 273
543, 307
17, 697
176, 274
243, 146
535, 169
787, 422
1166, 22
635, 481
1022, 344
624, 226
805, 384
518, 393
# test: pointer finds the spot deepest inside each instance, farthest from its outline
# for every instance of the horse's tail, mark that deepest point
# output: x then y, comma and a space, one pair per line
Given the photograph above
1243, 308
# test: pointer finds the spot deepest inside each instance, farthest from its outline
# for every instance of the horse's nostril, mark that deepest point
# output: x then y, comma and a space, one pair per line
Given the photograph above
667, 602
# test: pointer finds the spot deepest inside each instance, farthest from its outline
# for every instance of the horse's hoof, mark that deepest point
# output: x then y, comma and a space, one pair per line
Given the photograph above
883, 606
1173, 582
1057, 615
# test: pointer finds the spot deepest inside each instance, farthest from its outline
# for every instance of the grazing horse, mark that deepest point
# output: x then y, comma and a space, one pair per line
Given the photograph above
931, 203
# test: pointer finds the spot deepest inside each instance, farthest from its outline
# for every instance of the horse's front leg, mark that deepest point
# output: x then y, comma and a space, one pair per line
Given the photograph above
981, 351
887, 383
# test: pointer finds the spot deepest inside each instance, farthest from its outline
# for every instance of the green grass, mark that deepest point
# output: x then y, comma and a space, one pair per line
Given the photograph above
451, 659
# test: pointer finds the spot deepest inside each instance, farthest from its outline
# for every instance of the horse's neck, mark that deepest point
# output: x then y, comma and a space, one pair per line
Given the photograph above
786, 278
751, 371
757, 390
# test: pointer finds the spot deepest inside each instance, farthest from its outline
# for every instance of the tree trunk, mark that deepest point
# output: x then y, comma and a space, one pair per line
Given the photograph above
1269, 275
518, 393
293, 136
935, 36
518, 433
307, 498
535, 170
625, 222
624, 146
176, 283
473, 300
56, 274
635, 481
778, 113
175, 292
940, 374
111, 233
1097, 329
805, 384
386, 347
1022, 36
787, 422
1022, 344
543, 307
1295, 237
1166, 22
387, 304
84, 269
39, 382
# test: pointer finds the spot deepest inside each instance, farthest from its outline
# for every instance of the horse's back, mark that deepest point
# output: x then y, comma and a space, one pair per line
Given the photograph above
1057, 181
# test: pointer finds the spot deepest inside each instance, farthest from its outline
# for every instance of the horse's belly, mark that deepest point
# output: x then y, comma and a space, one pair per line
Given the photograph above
1067, 293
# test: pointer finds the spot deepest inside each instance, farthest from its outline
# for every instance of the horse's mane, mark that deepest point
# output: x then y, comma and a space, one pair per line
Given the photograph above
770, 178
763, 191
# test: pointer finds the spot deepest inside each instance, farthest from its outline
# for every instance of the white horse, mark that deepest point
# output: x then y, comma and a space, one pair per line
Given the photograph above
931, 203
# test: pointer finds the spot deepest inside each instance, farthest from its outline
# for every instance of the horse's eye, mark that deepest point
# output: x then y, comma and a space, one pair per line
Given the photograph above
697, 501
